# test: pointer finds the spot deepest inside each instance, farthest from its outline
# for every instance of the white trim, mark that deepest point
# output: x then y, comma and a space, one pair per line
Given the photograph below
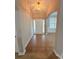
16, 45
22, 53
60, 57
16, 51
28, 42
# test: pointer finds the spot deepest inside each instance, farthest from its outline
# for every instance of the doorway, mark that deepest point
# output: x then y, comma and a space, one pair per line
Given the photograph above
39, 26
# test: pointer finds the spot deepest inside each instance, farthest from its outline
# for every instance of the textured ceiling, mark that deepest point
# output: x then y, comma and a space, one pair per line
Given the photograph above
38, 8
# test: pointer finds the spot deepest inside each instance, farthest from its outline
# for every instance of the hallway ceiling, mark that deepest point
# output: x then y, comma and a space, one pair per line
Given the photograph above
38, 8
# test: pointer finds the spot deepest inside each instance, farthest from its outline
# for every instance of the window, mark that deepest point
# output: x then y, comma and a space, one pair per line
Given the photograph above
52, 23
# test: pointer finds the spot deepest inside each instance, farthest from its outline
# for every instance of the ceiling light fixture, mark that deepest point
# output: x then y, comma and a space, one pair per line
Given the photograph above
38, 8
38, 3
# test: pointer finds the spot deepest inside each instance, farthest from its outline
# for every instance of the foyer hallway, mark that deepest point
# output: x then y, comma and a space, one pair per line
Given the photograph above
40, 47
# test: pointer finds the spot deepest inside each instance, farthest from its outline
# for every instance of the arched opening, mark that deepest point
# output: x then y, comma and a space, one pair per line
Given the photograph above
51, 22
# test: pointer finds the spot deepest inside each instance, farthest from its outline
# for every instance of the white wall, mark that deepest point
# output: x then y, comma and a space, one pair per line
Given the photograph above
26, 28
16, 46
18, 43
23, 29
59, 33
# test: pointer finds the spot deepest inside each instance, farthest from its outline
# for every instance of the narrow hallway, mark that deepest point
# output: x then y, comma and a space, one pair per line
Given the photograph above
40, 47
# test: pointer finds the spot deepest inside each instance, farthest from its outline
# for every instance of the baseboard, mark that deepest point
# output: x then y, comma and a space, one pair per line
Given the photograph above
22, 53
60, 57
28, 42
16, 51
